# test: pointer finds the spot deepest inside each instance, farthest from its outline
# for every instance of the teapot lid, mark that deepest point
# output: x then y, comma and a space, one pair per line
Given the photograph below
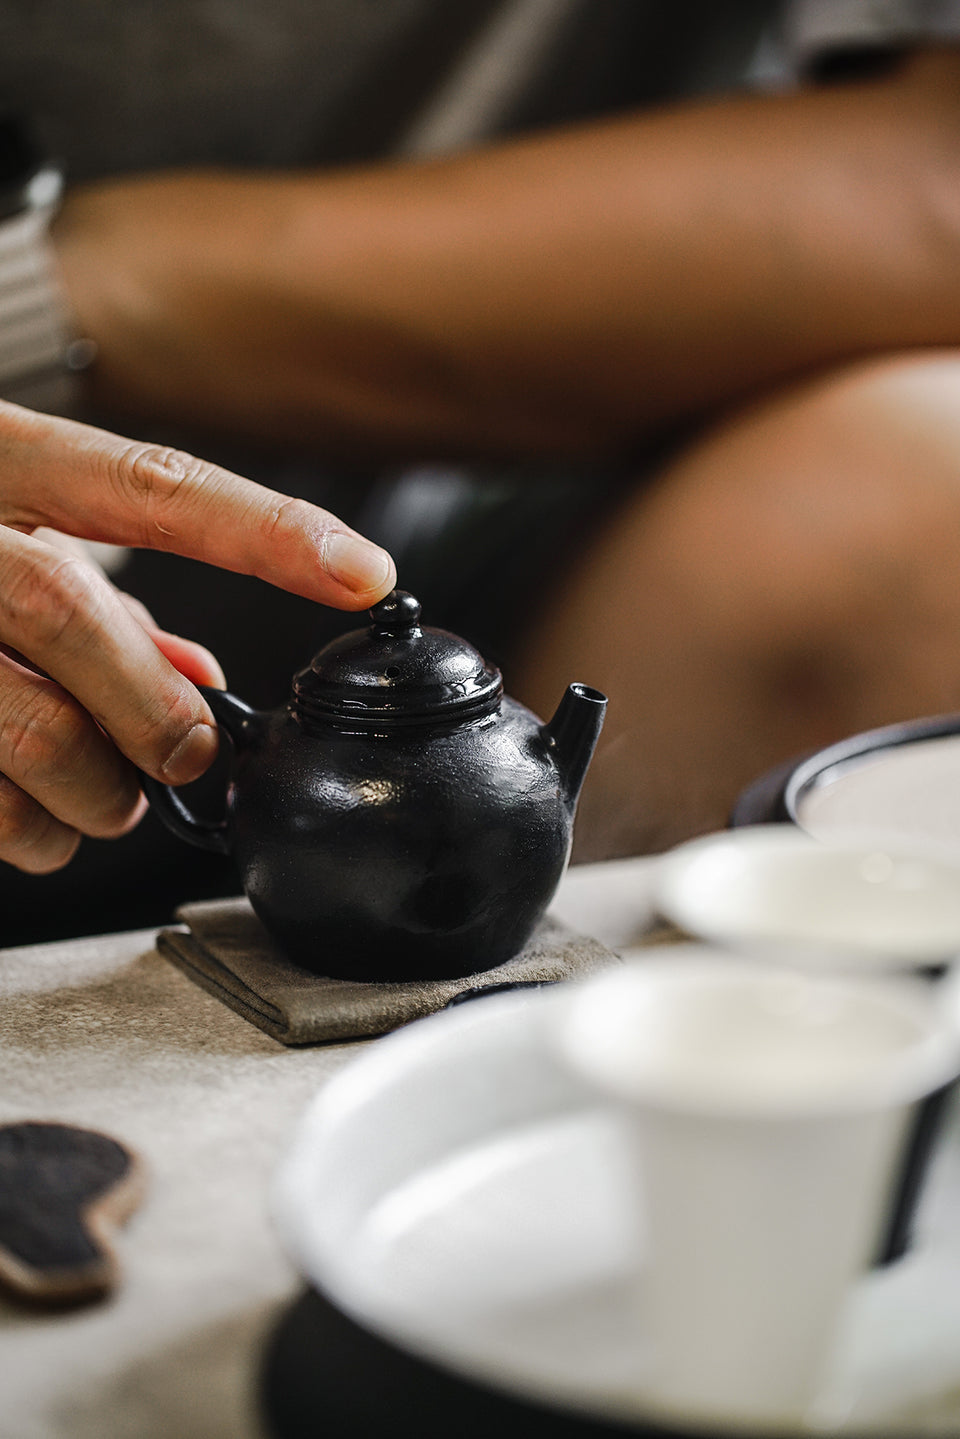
396, 673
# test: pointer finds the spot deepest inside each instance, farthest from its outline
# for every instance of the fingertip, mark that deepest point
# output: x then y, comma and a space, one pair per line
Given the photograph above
55, 856
135, 815
194, 661
363, 569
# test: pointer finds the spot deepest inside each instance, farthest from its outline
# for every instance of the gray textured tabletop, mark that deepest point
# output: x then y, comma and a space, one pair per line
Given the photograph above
107, 1034
103, 1032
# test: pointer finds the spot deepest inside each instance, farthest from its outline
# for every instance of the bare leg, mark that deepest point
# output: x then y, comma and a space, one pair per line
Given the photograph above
792, 577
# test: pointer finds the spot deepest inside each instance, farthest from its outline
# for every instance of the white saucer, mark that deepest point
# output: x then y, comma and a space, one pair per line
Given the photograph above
612, 901
454, 1191
869, 904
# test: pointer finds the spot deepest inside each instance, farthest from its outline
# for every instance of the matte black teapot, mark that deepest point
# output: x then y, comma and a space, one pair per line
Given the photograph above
399, 818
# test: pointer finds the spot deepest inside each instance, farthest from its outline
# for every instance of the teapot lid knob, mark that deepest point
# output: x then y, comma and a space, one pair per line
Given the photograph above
396, 673
398, 610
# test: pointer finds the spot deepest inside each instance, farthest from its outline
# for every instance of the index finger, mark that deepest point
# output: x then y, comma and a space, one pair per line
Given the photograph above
100, 486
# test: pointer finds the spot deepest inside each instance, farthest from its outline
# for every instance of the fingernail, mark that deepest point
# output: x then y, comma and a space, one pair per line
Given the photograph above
192, 756
357, 563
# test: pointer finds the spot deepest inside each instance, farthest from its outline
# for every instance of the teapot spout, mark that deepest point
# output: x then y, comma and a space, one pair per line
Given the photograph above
573, 733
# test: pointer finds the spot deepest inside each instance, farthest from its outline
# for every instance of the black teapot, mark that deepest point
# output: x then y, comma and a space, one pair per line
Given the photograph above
400, 818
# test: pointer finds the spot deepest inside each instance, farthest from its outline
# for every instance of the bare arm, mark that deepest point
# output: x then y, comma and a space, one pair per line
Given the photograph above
565, 294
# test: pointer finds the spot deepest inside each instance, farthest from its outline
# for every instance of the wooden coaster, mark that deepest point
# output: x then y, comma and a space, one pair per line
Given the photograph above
62, 1191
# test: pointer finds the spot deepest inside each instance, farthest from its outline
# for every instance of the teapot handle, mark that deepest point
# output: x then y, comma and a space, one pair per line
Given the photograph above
239, 721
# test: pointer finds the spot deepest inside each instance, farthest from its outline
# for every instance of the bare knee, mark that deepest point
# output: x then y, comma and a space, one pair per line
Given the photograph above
789, 578
820, 511
828, 493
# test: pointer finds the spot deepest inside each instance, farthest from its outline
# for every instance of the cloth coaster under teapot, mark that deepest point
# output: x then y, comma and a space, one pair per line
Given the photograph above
223, 947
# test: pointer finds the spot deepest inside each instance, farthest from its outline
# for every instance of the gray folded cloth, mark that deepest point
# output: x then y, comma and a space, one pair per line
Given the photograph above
225, 949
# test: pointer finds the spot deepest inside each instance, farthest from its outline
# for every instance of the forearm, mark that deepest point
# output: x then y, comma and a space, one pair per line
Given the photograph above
567, 294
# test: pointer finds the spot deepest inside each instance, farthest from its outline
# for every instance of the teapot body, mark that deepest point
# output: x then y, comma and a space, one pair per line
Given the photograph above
400, 818
398, 855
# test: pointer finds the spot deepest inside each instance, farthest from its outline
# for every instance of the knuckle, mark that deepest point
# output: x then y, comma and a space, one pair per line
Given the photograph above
50, 595
47, 738
154, 471
50, 745
288, 517
30, 838
21, 818
155, 478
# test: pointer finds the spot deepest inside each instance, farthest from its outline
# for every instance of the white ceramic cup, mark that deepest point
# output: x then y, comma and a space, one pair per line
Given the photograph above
766, 1110
862, 903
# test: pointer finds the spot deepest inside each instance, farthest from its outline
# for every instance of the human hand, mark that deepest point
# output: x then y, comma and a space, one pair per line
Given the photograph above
90, 689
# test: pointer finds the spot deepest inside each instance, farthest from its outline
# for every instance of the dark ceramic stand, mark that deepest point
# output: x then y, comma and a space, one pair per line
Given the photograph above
324, 1375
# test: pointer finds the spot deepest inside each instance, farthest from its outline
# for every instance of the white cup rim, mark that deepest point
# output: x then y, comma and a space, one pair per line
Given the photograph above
596, 1007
